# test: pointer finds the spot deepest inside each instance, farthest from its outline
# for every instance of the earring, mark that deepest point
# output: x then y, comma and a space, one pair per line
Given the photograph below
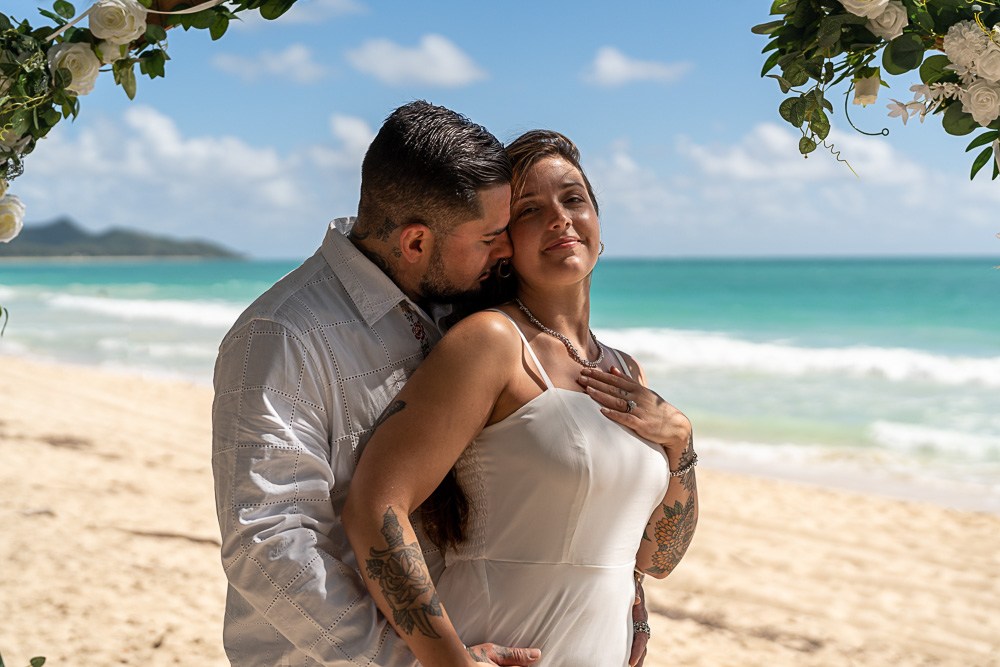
601, 251
504, 264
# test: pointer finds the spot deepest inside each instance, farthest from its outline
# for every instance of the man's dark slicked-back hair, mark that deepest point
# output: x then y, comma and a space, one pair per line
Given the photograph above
426, 165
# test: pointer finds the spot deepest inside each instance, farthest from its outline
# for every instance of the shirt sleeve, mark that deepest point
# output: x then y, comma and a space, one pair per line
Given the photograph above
283, 548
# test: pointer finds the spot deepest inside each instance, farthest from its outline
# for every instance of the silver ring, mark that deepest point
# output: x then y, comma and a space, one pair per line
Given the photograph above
641, 626
630, 405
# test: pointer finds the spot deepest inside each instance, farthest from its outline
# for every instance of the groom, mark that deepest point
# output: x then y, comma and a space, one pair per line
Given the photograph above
307, 369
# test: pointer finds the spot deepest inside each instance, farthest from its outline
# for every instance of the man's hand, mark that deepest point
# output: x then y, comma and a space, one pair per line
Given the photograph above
639, 639
491, 654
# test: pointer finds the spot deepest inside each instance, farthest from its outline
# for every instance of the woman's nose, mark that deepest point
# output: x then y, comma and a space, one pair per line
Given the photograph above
560, 218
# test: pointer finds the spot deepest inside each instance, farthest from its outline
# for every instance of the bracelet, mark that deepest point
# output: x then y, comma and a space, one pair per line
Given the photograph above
687, 467
639, 575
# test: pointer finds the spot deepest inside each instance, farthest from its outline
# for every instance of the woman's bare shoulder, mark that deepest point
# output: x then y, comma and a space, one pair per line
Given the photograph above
487, 334
485, 326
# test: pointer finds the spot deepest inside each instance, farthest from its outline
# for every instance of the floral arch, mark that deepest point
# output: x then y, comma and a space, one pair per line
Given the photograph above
45, 69
816, 44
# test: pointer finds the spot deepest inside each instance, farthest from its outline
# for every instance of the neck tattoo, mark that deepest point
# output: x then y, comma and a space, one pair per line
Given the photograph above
573, 352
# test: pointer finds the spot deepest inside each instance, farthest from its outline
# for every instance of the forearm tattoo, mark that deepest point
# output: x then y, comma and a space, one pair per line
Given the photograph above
688, 480
402, 576
673, 533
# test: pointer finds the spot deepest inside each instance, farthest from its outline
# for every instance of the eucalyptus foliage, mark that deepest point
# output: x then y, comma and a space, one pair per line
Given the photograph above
816, 44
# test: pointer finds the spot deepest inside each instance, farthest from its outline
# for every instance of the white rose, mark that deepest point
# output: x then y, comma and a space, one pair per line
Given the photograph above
11, 143
11, 218
890, 23
109, 53
118, 21
982, 100
866, 89
81, 62
867, 8
964, 42
988, 64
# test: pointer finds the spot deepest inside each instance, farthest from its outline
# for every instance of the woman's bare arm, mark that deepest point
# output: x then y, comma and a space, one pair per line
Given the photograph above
416, 441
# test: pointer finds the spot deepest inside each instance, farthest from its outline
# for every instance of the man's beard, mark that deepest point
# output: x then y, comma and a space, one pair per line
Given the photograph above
436, 287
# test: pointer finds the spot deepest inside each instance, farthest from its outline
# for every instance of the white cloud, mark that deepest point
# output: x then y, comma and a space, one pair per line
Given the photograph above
435, 61
611, 67
141, 171
771, 152
758, 196
354, 136
295, 63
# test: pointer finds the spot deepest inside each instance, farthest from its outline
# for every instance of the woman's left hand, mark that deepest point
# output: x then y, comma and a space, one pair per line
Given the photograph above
641, 409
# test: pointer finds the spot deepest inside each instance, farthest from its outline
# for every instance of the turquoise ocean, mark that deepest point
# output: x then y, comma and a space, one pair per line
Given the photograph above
879, 374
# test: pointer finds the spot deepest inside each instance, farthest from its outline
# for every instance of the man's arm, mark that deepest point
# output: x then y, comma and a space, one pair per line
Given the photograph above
274, 472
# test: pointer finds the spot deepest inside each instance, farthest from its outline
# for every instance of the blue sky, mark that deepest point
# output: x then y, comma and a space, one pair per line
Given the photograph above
256, 140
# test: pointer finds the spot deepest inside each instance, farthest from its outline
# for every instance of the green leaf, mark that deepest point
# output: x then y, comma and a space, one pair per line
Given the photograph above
795, 73
219, 28
830, 30
202, 20
982, 140
820, 124
51, 116
806, 145
125, 76
36, 662
793, 110
771, 61
903, 54
933, 69
766, 28
152, 63
155, 33
980, 161
51, 15
922, 18
783, 6
782, 83
64, 9
4, 25
957, 122
272, 9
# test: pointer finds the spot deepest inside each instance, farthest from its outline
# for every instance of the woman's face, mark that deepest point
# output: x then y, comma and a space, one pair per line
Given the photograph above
553, 225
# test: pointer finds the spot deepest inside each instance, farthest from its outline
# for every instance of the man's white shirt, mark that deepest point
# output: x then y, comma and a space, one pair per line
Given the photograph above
300, 381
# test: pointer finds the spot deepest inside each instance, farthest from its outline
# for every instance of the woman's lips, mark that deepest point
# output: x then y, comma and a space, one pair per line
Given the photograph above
565, 242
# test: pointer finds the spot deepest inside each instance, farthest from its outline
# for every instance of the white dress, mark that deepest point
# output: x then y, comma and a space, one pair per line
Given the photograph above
559, 497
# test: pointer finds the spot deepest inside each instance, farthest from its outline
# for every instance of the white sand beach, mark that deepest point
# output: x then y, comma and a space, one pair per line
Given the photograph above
110, 549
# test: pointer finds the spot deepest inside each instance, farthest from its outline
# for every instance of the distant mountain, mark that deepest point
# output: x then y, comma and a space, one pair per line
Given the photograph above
65, 238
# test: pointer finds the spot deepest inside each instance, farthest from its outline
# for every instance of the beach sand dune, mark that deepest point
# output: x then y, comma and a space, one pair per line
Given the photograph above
110, 549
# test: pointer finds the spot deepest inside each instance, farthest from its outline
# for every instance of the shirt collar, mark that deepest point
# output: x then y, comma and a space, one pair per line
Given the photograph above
372, 291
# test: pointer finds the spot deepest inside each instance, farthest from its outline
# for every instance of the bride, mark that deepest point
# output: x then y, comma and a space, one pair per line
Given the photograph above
571, 476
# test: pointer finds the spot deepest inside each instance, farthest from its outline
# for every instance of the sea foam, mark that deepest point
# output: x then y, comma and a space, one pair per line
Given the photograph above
664, 350
201, 313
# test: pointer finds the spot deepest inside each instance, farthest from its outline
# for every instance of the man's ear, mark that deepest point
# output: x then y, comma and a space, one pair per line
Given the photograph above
415, 241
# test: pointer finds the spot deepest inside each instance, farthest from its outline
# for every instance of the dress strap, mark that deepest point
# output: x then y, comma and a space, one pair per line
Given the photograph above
624, 366
534, 358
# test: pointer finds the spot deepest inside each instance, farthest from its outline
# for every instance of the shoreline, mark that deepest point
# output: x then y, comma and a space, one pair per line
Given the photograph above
108, 498
853, 477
